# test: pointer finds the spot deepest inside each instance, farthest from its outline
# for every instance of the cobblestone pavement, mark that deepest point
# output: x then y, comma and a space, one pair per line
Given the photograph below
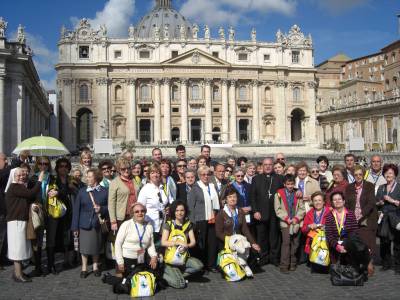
270, 284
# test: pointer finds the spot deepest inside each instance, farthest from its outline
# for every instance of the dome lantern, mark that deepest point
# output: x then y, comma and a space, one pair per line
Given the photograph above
163, 3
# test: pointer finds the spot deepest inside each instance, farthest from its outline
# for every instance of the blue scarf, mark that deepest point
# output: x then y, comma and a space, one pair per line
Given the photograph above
241, 189
44, 184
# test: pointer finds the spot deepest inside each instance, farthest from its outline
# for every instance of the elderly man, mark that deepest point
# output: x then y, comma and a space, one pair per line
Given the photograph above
4, 174
350, 162
219, 181
280, 157
156, 155
374, 173
262, 192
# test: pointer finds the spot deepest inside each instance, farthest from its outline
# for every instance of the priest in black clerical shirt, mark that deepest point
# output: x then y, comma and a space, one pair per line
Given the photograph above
262, 191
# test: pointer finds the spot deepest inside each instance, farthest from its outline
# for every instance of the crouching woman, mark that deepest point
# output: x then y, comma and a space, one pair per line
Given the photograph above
178, 237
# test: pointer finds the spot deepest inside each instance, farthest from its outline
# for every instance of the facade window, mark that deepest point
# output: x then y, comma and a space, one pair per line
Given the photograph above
84, 52
242, 93
145, 110
389, 130
118, 54
268, 97
242, 56
174, 54
375, 130
144, 54
243, 110
84, 93
215, 54
175, 109
215, 92
145, 92
295, 57
195, 92
296, 94
216, 110
175, 92
118, 92
267, 57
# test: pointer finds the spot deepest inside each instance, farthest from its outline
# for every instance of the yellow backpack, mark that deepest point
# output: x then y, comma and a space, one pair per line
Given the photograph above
228, 263
143, 284
55, 207
319, 253
173, 255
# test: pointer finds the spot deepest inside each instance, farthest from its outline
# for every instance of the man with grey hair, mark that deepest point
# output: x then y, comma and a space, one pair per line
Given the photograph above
262, 193
374, 173
4, 174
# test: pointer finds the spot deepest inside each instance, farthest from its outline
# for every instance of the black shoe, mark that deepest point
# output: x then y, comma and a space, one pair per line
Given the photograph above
385, 268
84, 274
97, 273
36, 273
52, 270
21, 279
397, 271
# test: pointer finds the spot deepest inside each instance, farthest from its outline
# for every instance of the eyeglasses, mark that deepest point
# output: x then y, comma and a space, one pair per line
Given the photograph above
43, 164
113, 170
181, 166
106, 168
228, 170
125, 169
314, 171
139, 211
280, 159
239, 176
205, 174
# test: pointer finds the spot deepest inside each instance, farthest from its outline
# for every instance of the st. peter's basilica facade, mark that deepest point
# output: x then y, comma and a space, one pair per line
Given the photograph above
171, 81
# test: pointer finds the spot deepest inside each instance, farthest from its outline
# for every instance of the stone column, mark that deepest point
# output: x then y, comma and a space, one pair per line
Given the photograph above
311, 130
256, 113
225, 111
280, 113
184, 111
208, 106
232, 112
102, 110
17, 105
131, 108
157, 111
167, 111
2, 116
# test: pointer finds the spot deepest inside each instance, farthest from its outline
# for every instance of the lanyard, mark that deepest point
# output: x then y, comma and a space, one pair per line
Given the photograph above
301, 186
187, 188
140, 235
339, 223
392, 189
317, 220
208, 190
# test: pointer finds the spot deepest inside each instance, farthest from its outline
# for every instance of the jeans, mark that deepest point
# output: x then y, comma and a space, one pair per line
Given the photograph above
176, 278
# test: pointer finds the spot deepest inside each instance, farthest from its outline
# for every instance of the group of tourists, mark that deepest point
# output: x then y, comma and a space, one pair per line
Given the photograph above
173, 217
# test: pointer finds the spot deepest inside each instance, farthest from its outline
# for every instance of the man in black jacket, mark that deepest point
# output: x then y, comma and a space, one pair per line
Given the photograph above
219, 181
262, 192
4, 174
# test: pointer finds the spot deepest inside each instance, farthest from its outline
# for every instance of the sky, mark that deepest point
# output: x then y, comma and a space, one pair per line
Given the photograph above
353, 27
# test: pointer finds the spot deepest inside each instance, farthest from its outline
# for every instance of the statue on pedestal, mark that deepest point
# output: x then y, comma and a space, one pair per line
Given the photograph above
104, 130
3, 27
195, 31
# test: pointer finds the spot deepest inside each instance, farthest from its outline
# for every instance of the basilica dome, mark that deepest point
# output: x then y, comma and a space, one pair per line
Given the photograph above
166, 19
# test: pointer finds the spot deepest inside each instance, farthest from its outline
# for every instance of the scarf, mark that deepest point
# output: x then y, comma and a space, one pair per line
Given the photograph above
211, 201
92, 189
357, 210
241, 189
44, 185
234, 216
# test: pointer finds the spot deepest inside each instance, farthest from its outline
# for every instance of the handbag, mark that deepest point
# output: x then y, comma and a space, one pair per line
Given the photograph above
345, 275
103, 222
37, 217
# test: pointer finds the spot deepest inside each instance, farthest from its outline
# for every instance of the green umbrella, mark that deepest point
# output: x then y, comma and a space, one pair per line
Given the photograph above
42, 146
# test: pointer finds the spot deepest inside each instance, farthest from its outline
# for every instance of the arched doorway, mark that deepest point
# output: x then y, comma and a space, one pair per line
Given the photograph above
216, 134
175, 134
84, 126
243, 130
195, 130
296, 122
145, 131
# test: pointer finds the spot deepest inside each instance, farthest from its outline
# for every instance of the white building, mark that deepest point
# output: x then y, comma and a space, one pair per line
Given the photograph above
171, 81
24, 108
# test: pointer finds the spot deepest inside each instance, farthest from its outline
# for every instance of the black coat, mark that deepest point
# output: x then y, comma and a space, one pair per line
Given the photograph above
260, 200
4, 174
181, 193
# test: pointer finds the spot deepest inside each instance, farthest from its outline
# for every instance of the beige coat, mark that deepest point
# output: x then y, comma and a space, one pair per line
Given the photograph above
118, 195
281, 210
310, 187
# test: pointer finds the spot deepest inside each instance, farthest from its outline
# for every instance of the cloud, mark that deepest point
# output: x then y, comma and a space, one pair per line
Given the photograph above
339, 6
217, 12
116, 15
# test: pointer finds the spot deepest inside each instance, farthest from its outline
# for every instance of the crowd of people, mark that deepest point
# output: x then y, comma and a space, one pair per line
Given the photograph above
128, 210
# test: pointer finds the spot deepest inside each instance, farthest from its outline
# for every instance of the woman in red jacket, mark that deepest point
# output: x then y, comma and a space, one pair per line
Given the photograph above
314, 219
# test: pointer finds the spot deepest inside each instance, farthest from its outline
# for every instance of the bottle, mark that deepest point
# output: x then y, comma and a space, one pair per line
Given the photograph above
76, 242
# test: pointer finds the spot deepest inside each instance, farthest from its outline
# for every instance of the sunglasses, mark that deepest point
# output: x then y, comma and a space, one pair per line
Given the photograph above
314, 171
106, 168
125, 169
239, 176
229, 170
139, 211
181, 166
205, 174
